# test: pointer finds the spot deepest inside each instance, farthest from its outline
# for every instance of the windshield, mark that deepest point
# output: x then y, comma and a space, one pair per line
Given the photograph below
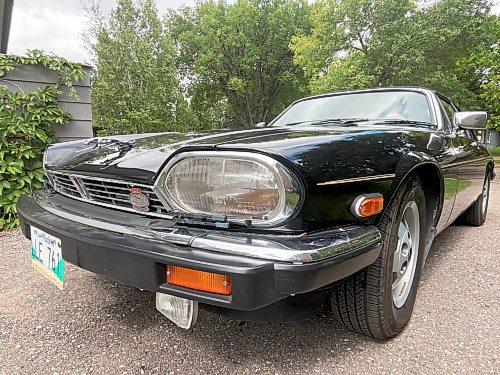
381, 105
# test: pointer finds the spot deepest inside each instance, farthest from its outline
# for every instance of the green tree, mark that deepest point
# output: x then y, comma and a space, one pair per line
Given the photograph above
453, 32
490, 83
134, 88
360, 43
355, 43
234, 58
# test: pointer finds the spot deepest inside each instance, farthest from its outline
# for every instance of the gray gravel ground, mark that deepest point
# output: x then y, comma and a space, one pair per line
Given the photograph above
101, 327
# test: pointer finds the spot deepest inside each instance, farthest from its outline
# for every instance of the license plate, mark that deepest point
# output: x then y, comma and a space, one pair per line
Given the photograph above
46, 256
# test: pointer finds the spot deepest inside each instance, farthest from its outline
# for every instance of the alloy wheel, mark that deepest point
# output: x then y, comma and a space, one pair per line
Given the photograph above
406, 254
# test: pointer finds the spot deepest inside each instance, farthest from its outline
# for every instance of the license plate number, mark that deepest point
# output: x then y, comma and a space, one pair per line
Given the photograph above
46, 256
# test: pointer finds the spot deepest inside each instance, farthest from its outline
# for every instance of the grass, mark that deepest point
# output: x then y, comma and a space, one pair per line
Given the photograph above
495, 151
450, 184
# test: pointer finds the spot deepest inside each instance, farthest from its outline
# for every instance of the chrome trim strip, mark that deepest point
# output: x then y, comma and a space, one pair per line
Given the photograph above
281, 248
271, 250
459, 163
121, 208
91, 222
71, 174
358, 179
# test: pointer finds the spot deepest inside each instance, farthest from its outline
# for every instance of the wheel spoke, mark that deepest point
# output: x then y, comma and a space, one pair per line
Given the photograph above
402, 231
396, 263
402, 248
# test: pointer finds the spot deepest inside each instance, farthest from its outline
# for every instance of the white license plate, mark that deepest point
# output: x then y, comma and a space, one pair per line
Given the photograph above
46, 256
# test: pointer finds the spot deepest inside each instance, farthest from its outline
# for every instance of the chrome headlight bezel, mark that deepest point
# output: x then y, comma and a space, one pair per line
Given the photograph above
48, 178
290, 188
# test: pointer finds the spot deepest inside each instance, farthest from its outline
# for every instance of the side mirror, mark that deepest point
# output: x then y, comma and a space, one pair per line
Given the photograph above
470, 120
260, 125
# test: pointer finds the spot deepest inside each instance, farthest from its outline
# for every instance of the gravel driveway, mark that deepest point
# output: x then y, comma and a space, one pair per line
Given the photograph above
98, 326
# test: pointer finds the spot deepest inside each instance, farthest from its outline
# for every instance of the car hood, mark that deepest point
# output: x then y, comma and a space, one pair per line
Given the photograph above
324, 152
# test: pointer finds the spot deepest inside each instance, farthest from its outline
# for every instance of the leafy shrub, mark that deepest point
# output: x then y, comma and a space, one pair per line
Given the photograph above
26, 121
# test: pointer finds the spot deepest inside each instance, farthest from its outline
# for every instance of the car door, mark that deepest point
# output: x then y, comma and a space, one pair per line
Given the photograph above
469, 160
449, 167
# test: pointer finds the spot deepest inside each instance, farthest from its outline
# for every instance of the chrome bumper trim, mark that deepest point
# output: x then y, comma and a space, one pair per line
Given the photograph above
303, 248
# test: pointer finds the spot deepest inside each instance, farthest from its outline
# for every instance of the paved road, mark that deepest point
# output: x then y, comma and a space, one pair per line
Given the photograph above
101, 327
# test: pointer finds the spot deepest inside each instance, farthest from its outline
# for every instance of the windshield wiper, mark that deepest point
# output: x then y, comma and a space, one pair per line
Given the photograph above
339, 121
123, 148
97, 142
294, 123
403, 121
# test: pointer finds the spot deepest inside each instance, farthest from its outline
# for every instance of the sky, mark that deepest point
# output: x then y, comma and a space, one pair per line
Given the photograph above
56, 26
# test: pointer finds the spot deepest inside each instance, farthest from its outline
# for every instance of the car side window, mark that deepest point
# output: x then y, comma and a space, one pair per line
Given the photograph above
450, 111
445, 116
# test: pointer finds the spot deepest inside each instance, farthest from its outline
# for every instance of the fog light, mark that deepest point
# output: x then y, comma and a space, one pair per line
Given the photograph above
199, 280
181, 311
367, 205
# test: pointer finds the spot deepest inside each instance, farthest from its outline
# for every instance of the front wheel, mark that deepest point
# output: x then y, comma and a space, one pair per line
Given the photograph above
378, 300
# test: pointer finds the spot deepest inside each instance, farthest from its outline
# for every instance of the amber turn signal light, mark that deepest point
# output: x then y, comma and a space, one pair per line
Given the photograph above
367, 205
199, 280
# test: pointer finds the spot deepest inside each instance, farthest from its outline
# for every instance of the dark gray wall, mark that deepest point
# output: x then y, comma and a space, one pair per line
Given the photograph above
492, 138
30, 77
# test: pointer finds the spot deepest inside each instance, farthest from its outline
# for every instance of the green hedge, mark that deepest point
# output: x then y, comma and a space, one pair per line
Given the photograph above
26, 121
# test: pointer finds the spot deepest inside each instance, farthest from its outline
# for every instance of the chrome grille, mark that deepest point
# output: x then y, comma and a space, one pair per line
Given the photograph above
65, 185
116, 193
105, 191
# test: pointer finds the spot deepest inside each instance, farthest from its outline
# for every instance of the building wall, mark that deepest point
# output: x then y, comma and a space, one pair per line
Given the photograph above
492, 138
31, 77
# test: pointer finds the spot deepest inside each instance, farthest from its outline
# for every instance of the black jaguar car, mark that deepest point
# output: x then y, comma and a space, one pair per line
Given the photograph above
335, 203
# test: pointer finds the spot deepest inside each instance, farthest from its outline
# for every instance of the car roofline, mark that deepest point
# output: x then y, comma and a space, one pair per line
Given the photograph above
421, 90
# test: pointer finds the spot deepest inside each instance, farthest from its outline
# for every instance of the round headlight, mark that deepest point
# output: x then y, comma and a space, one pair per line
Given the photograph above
241, 186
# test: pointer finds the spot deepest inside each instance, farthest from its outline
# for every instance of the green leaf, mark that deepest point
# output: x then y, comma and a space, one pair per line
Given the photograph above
26, 120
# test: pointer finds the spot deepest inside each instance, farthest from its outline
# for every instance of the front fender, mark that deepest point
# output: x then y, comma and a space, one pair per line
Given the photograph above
409, 165
431, 177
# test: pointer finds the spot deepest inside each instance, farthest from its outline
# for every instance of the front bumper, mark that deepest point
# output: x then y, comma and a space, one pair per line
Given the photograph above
133, 249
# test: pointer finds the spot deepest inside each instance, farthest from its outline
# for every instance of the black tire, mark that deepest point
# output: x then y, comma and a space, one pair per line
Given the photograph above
364, 301
475, 215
